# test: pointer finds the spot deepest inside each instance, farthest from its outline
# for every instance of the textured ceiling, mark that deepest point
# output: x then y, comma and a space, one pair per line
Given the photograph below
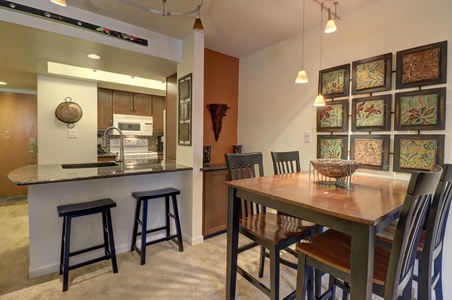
233, 27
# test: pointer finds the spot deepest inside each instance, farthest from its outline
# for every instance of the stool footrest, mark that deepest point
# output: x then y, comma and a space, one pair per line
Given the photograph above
91, 261
86, 250
171, 237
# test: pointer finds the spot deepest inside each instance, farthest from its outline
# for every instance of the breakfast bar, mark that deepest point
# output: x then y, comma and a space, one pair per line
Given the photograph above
52, 185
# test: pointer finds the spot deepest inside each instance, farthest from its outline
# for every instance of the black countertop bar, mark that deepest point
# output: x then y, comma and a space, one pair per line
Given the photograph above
49, 173
214, 167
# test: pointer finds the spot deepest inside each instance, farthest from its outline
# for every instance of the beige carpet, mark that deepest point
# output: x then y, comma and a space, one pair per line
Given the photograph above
197, 273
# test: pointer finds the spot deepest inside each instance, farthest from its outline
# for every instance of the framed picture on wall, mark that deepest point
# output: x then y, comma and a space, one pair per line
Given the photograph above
371, 113
335, 82
420, 110
371, 150
185, 114
332, 146
418, 152
420, 66
333, 117
372, 74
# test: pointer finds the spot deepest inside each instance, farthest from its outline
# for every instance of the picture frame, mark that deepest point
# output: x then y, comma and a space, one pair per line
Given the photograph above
418, 152
332, 146
421, 66
372, 113
420, 110
371, 150
372, 74
335, 82
333, 117
184, 110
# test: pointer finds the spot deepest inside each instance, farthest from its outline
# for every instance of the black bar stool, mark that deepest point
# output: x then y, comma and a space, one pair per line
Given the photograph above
143, 198
83, 209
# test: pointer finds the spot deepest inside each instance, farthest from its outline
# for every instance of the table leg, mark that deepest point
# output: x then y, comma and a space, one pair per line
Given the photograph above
362, 262
232, 243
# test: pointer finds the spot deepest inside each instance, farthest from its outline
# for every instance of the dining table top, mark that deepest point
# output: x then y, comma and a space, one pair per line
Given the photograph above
369, 200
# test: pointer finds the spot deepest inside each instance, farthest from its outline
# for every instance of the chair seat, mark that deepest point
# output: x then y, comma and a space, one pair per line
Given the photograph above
333, 248
274, 228
387, 235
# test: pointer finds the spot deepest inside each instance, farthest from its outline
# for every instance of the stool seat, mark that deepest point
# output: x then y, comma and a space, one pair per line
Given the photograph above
70, 211
142, 204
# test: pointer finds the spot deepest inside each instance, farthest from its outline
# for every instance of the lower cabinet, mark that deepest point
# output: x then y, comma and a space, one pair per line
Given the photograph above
215, 201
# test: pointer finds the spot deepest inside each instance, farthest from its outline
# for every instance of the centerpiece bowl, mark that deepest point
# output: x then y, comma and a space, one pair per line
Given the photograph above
338, 169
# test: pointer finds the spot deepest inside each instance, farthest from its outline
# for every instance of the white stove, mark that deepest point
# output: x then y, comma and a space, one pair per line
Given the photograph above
136, 150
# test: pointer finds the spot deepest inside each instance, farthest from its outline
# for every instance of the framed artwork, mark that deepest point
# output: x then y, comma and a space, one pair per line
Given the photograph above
333, 116
371, 113
332, 146
420, 110
418, 152
335, 82
372, 74
371, 150
185, 114
420, 66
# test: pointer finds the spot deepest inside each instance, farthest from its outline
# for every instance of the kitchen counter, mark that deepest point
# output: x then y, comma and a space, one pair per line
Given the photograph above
214, 167
39, 174
49, 186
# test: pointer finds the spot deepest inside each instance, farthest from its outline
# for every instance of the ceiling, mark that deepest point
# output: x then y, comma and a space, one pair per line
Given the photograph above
233, 27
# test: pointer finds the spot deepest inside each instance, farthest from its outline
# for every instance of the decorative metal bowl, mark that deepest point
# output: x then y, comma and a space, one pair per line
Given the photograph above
335, 168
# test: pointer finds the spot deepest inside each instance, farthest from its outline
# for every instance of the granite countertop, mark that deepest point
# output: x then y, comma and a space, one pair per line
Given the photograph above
214, 167
49, 173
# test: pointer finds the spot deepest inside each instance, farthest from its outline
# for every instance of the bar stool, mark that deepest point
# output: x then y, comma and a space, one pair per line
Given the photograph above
143, 198
83, 209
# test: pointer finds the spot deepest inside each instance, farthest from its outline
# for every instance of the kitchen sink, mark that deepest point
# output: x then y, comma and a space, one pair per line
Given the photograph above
90, 165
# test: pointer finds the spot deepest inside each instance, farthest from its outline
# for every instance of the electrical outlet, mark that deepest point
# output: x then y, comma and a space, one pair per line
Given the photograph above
92, 227
307, 136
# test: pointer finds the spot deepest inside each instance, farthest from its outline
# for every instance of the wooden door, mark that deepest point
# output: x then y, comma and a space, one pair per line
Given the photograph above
158, 106
142, 104
17, 128
122, 102
104, 108
215, 198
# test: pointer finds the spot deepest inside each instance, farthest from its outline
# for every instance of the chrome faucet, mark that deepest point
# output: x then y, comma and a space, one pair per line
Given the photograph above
119, 159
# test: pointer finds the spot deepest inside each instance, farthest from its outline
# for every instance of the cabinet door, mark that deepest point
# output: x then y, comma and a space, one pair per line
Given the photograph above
122, 102
104, 108
142, 104
158, 106
215, 202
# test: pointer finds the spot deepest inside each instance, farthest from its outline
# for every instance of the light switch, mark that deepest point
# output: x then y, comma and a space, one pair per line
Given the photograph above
72, 133
307, 136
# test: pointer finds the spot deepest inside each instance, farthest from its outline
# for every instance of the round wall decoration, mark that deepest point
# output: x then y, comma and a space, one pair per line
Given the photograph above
68, 112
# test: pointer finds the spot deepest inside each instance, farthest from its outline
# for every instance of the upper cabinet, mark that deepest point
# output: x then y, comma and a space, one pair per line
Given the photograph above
131, 103
111, 102
158, 106
104, 108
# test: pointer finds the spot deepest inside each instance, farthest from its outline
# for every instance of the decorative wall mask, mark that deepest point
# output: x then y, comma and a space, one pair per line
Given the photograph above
218, 111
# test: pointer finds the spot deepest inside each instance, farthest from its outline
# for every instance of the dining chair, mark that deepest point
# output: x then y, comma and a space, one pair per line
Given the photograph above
393, 268
286, 162
270, 231
430, 248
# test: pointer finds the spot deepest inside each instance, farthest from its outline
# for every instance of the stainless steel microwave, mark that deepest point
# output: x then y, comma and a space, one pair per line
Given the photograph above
133, 124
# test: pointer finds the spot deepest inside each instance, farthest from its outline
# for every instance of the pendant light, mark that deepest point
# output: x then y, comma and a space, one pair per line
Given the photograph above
59, 2
302, 77
198, 24
319, 100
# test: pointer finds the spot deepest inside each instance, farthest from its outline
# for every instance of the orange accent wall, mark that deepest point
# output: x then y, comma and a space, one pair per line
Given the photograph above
221, 85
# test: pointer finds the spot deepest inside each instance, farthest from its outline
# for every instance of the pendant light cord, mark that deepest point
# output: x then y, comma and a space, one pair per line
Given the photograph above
321, 38
302, 36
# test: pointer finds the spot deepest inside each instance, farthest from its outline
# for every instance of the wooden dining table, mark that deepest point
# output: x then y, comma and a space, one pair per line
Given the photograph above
361, 210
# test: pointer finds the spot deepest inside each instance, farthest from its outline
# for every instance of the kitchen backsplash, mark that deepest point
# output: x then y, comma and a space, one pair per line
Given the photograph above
153, 141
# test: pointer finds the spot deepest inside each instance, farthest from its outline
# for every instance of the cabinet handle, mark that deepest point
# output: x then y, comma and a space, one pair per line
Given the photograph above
135, 109
131, 109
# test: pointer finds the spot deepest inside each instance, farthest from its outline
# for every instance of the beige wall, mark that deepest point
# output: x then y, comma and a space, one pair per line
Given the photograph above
54, 146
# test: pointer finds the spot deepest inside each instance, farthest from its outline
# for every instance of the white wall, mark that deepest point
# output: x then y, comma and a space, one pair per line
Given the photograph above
54, 146
191, 205
274, 111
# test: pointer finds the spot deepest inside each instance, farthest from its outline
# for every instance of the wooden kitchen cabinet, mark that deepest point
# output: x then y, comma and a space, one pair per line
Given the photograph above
215, 199
131, 103
104, 108
158, 106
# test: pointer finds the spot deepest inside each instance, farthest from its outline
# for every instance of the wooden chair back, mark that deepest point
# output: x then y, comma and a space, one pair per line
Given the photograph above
434, 236
420, 193
242, 166
286, 162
